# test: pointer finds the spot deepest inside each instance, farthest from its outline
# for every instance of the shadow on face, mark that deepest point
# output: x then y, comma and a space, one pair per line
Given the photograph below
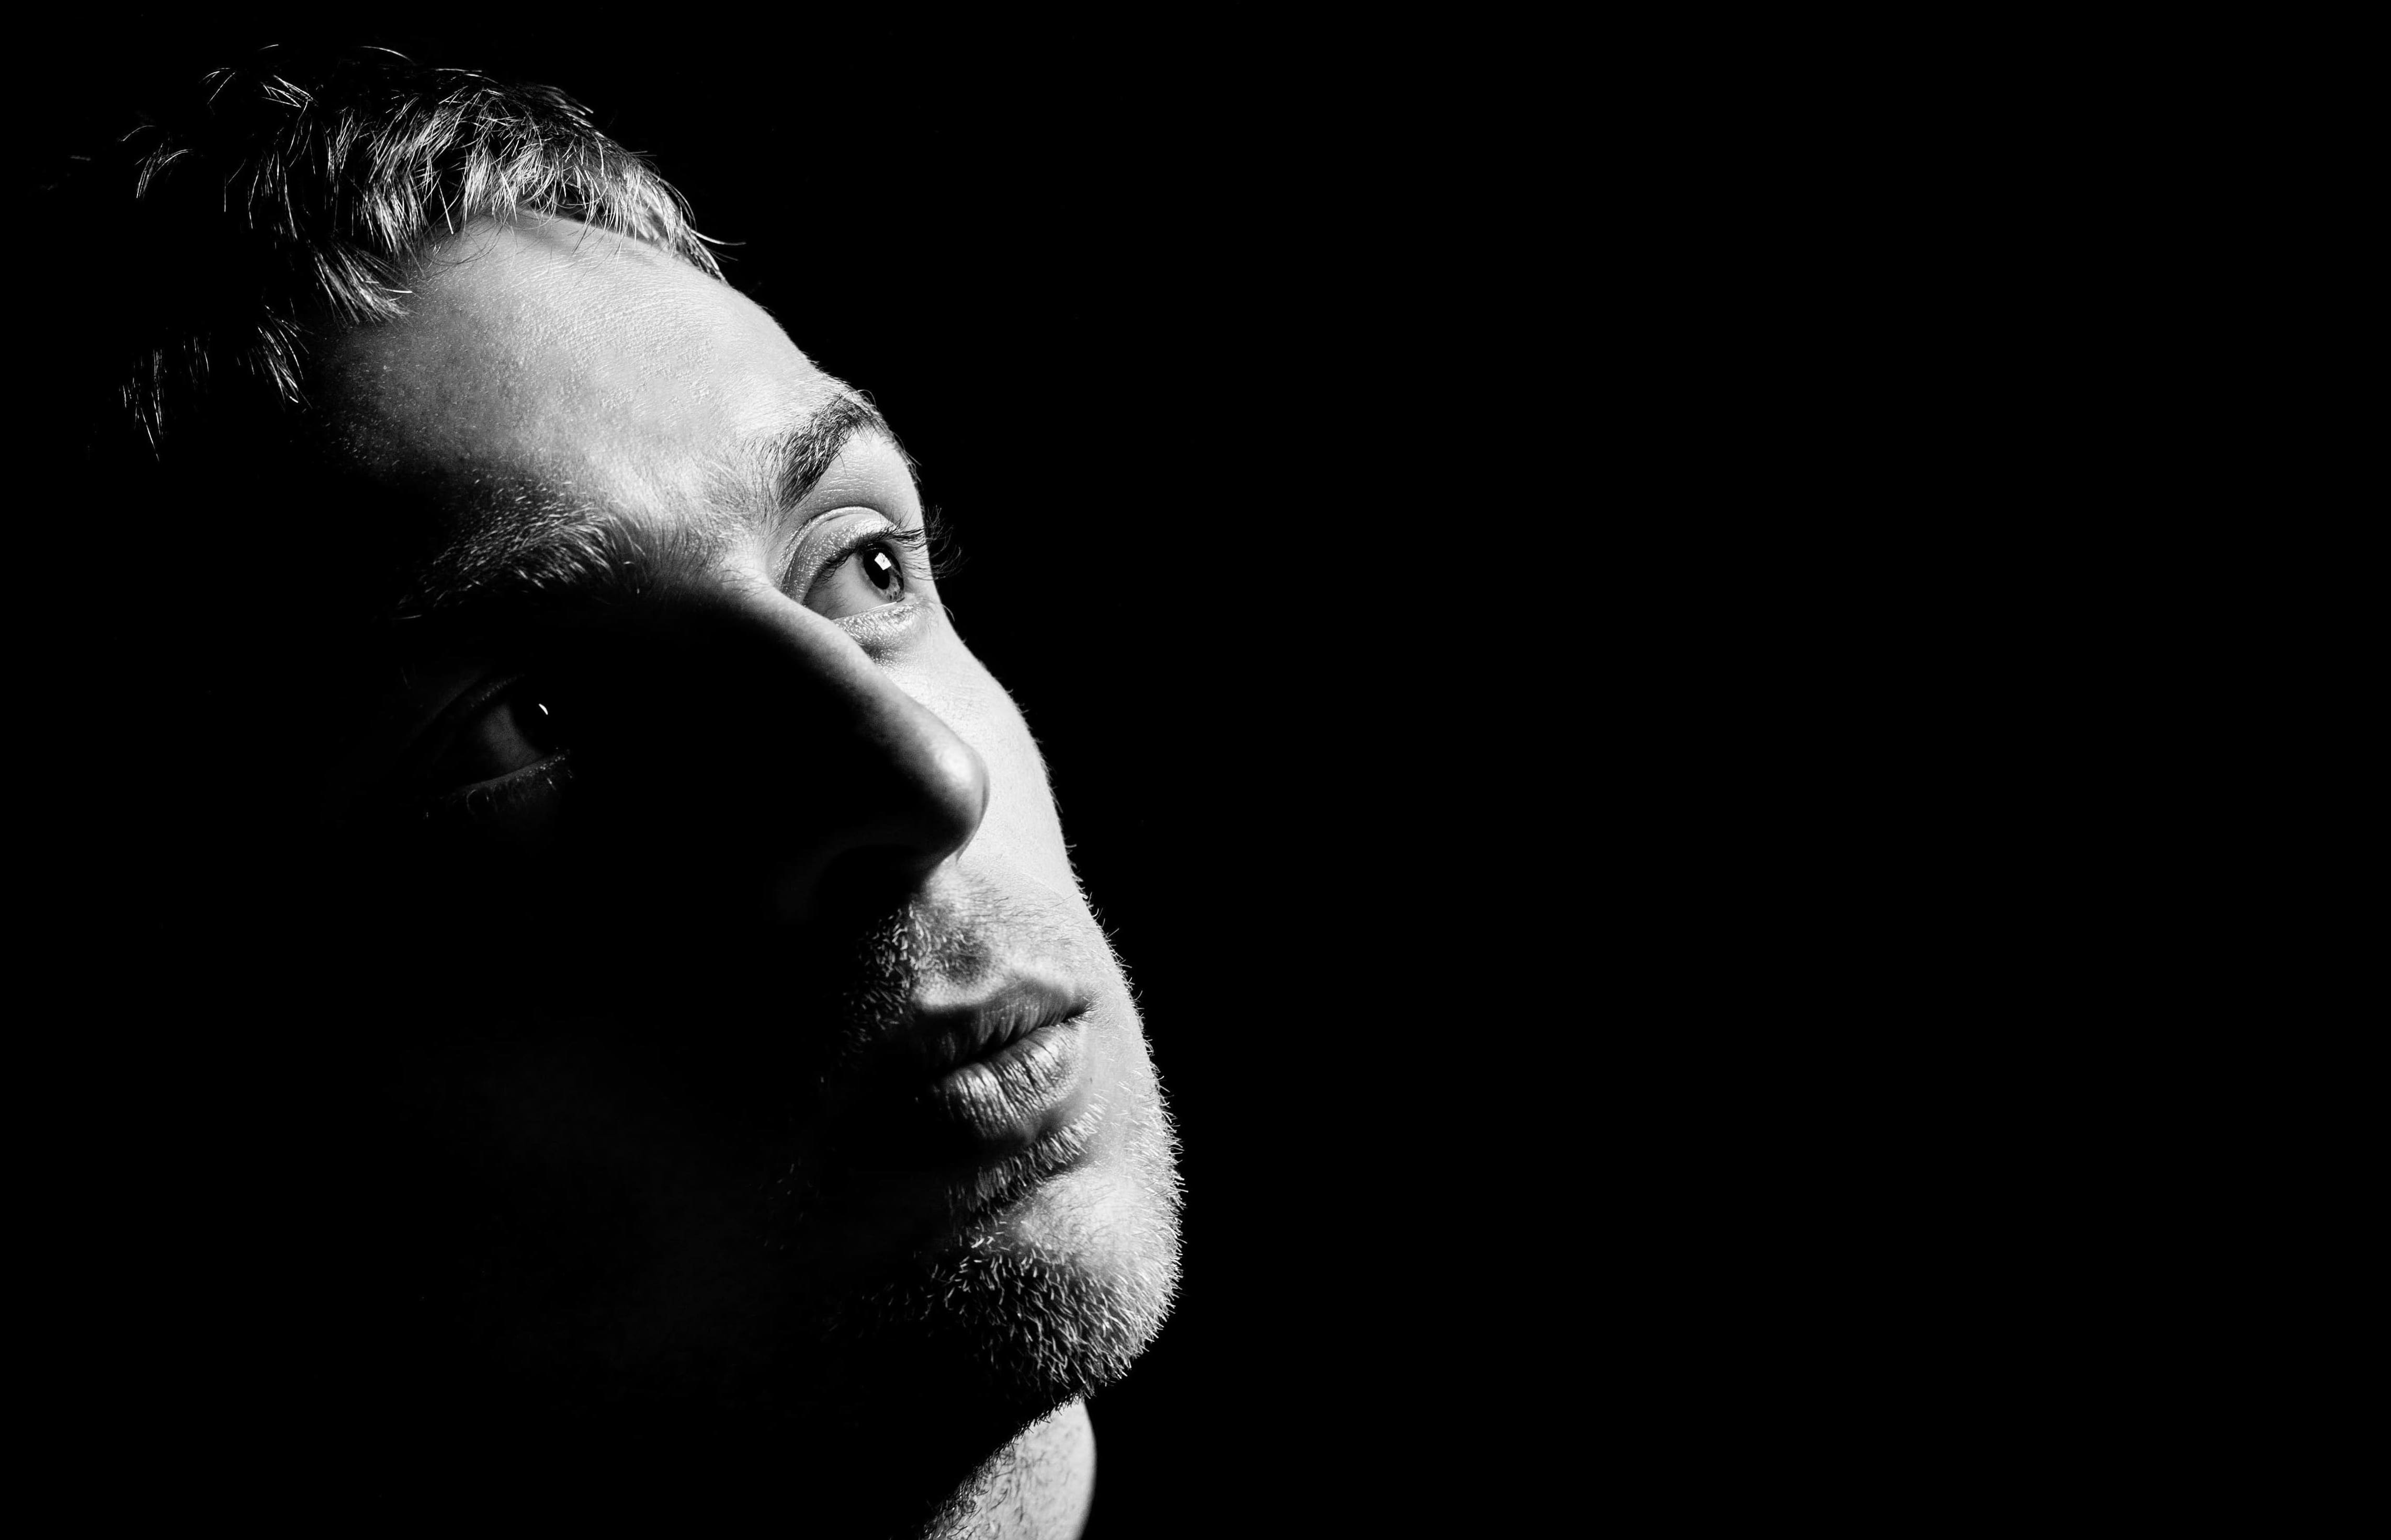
668, 824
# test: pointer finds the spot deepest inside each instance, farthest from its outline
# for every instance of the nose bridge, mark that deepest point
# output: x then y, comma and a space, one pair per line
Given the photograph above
866, 790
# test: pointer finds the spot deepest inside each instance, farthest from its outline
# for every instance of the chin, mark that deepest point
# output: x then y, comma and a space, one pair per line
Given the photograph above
1048, 1299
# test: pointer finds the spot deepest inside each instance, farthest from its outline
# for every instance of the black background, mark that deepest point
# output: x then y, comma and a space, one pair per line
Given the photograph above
1207, 338
1500, 468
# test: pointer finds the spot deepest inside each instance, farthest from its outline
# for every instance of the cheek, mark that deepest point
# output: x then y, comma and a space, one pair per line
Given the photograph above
1022, 818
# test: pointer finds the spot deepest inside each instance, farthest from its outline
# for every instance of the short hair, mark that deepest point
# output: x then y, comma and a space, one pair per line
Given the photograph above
288, 198
202, 262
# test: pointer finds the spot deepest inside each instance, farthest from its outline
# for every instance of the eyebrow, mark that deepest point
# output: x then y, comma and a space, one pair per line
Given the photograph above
528, 544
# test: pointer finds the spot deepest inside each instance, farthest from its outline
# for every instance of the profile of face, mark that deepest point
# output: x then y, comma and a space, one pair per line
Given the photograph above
756, 1044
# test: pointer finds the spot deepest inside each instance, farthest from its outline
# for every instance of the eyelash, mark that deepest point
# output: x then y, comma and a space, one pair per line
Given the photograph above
486, 797
932, 541
924, 542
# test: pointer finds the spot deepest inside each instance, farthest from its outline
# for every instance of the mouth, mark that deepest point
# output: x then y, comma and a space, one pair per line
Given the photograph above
991, 1098
950, 1035
1010, 1095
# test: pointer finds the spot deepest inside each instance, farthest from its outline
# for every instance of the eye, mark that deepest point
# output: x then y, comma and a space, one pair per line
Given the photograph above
515, 729
869, 576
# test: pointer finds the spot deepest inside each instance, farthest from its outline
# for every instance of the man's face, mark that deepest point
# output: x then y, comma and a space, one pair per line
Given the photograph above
760, 1006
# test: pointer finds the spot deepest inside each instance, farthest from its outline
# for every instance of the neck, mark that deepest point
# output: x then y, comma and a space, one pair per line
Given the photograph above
1038, 1487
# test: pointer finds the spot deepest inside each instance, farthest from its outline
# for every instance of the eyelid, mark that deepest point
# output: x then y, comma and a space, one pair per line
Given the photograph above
458, 714
502, 791
802, 576
496, 794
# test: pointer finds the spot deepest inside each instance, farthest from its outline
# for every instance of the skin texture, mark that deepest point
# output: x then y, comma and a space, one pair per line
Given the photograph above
618, 1164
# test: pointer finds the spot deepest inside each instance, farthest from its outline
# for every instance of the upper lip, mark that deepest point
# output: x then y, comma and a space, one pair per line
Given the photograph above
951, 1033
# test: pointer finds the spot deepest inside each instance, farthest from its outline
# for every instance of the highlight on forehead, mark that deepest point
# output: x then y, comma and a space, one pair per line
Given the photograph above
524, 541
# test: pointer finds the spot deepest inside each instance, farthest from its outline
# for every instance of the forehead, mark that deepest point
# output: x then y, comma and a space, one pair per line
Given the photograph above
551, 350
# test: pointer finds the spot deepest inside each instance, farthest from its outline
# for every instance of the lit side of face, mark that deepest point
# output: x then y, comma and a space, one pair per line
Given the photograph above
757, 728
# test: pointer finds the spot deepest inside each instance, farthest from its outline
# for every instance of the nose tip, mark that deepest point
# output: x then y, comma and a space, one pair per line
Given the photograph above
936, 791
911, 796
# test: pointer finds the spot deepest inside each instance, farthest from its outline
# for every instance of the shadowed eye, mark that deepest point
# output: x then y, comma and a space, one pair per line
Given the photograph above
872, 575
515, 729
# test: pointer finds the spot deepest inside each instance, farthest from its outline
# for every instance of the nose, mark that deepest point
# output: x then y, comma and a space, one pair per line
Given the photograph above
860, 790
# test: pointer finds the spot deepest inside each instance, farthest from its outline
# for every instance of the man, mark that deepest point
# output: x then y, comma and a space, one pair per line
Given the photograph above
671, 1036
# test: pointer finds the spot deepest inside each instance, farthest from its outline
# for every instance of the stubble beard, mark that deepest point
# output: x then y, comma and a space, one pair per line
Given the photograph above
1011, 1323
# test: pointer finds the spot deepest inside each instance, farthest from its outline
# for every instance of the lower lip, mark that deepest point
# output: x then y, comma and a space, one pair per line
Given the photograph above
1032, 1086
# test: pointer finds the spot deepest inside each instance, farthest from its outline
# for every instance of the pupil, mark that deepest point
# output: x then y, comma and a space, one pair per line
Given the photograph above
882, 570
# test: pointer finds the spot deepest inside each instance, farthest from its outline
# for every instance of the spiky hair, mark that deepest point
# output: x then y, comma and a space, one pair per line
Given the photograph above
288, 197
